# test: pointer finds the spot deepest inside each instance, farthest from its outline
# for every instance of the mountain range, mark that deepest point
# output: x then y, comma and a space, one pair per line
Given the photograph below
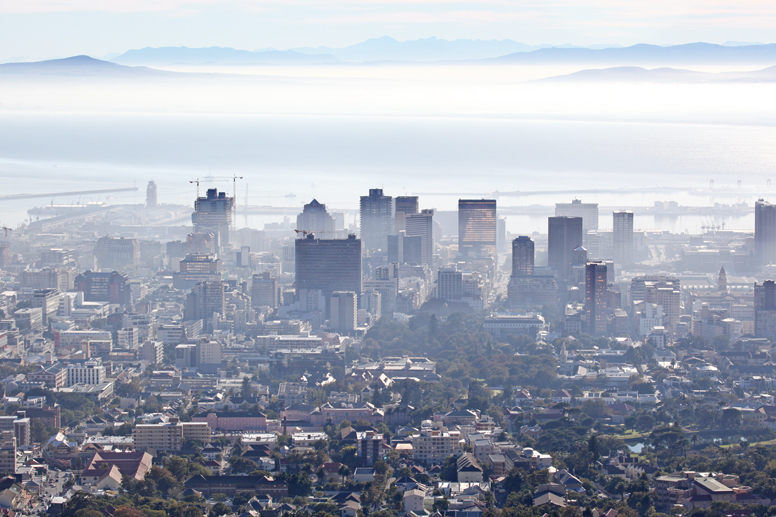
218, 56
78, 66
643, 54
661, 75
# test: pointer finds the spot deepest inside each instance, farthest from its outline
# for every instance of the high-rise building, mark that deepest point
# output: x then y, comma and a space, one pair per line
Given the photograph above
264, 291
660, 290
523, 256
449, 284
765, 232
344, 311
204, 300
765, 310
596, 298
196, 268
48, 301
213, 214
563, 237
315, 219
328, 265
405, 207
110, 287
403, 249
151, 195
622, 237
587, 211
477, 227
117, 253
422, 225
376, 219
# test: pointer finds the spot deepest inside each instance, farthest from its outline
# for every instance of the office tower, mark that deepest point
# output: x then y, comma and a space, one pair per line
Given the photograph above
344, 311
315, 219
48, 301
564, 235
376, 219
403, 249
196, 268
596, 298
213, 214
765, 232
264, 291
523, 256
622, 237
200, 243
449, 284
422, 225
151, 195
501, 234
765, 310
405, 207
660, 290
110, 287
117, 253
477, 227
587, 211
328, 265
204, 300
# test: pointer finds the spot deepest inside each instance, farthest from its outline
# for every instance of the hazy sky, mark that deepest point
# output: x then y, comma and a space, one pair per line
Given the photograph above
51, 28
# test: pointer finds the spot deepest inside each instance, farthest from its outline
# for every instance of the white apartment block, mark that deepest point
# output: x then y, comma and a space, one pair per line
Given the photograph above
433, 445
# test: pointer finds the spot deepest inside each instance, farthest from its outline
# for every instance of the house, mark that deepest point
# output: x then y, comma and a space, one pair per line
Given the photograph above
565, 478
469, 470
413, 501
330, 472
230, 485
550, 493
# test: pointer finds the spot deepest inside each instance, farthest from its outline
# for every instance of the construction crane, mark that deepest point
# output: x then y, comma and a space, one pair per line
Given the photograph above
234, 179
306, 232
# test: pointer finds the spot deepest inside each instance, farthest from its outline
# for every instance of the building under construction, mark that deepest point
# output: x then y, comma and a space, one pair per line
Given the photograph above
213, 214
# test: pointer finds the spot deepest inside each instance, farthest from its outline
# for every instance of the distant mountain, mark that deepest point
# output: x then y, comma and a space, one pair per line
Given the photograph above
218, 55
76, 66
661, 75
693, 53
429, 49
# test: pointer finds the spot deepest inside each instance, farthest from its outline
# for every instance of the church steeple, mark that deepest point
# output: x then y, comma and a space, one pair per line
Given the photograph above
722, 281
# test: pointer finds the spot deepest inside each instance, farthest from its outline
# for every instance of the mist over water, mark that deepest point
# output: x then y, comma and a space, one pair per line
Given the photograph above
459, 132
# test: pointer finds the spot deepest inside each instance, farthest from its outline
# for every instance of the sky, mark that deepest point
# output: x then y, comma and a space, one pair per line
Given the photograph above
59, 28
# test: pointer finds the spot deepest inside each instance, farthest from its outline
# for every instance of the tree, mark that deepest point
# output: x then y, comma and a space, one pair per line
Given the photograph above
344, 472
219, 509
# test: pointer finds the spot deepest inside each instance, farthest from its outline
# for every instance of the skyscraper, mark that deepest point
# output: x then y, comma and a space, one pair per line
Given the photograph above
523, 256
422, 225
587, 211
405, 207
765, 309
596, 297
151, 195
204, 300
622, 237
564, 235
477, 227
376, 219
405, 249
315, 219
765, 232
117, 253
344, 311
328, 265
264, 291
213, 214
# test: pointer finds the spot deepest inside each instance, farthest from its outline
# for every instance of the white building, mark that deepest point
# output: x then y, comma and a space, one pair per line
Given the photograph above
90, 372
